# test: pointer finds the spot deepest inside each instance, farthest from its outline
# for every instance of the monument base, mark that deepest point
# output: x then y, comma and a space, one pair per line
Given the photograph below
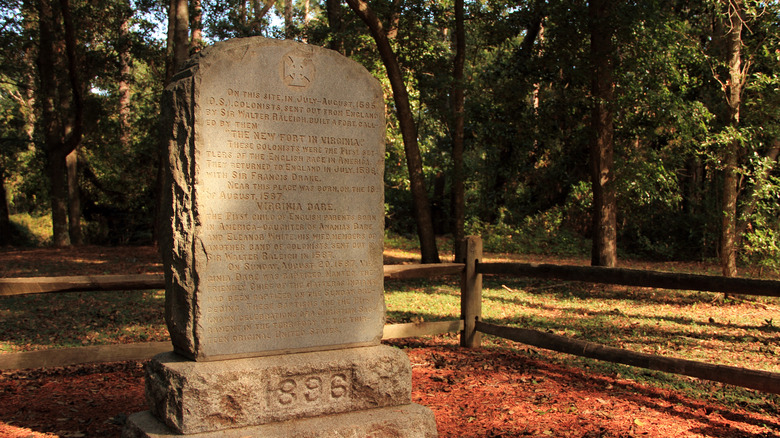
408, 421
193, 397
355, 392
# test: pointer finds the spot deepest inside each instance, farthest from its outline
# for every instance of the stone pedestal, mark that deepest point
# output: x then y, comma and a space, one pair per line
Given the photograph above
356, 392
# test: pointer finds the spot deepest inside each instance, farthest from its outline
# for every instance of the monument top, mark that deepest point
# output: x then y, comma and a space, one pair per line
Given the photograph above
274, 229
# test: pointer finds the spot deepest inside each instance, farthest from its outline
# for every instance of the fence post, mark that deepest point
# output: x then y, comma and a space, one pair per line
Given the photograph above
471, 292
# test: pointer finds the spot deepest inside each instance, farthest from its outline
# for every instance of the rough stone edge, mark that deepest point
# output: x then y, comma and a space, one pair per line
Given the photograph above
176, 228
409, 421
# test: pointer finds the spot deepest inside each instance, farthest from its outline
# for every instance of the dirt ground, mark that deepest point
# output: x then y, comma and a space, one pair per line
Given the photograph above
489, 392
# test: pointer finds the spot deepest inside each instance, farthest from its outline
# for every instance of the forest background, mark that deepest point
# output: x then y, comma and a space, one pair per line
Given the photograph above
570, 127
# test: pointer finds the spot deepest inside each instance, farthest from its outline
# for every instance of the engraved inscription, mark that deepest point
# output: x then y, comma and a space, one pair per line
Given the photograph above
292, 213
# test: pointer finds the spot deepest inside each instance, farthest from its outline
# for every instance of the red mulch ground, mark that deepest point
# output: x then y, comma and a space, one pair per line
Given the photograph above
473, 393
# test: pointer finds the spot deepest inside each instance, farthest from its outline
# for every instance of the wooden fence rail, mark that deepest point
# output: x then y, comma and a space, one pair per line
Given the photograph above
90, 283
635, 277
754, 379
86, 283
146, 350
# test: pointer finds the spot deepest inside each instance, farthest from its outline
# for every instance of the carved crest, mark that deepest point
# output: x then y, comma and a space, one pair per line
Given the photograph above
298, 70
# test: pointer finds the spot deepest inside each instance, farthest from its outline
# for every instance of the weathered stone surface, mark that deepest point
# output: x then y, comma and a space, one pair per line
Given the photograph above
409, 421
192, 397
272, 249
275, 201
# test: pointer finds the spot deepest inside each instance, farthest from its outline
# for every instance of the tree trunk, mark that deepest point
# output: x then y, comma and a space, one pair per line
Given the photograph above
5, 217
196, 39
728, 232
458, 99
49, 86
306, 10
178, 37
124, 78
74, 199
289, 29
259, 13
62, 107
604, 250
422, 210
335, 24
59, 198
181, 33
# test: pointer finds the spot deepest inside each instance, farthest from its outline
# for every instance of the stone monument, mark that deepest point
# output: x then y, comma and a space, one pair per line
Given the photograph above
273, 253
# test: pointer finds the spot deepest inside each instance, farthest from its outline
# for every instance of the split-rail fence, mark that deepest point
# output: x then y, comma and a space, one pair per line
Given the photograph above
470, 325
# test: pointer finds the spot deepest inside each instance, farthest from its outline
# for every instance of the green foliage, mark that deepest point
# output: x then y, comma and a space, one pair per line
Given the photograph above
31, 230
119, 196
762, 233
528, 103
543, 233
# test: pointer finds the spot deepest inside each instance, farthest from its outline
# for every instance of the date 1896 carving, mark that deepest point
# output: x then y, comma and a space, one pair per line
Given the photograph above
297, 392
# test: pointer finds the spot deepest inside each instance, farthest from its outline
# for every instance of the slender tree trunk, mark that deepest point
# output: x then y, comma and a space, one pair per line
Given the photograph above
5, 217
178, 37
335, 24
59, 198
196, 24
73, 125
123, 85
458, 110
25, 98
728, 233
604, 250
181, 33
306, 7
422, 210
289, 29
62, 107
74, 199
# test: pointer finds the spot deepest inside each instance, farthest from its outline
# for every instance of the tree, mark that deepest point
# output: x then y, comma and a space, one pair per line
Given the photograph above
737, 75
422, 211
604, 252
178, 37
62, 109
196, 23
458, 98
335, 24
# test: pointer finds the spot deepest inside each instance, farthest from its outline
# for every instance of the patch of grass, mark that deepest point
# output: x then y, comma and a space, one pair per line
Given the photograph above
36, 322
402, 242
422, 300
31, 230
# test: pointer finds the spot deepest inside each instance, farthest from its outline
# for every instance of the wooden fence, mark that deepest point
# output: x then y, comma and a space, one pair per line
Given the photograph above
145, 350
470, 325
